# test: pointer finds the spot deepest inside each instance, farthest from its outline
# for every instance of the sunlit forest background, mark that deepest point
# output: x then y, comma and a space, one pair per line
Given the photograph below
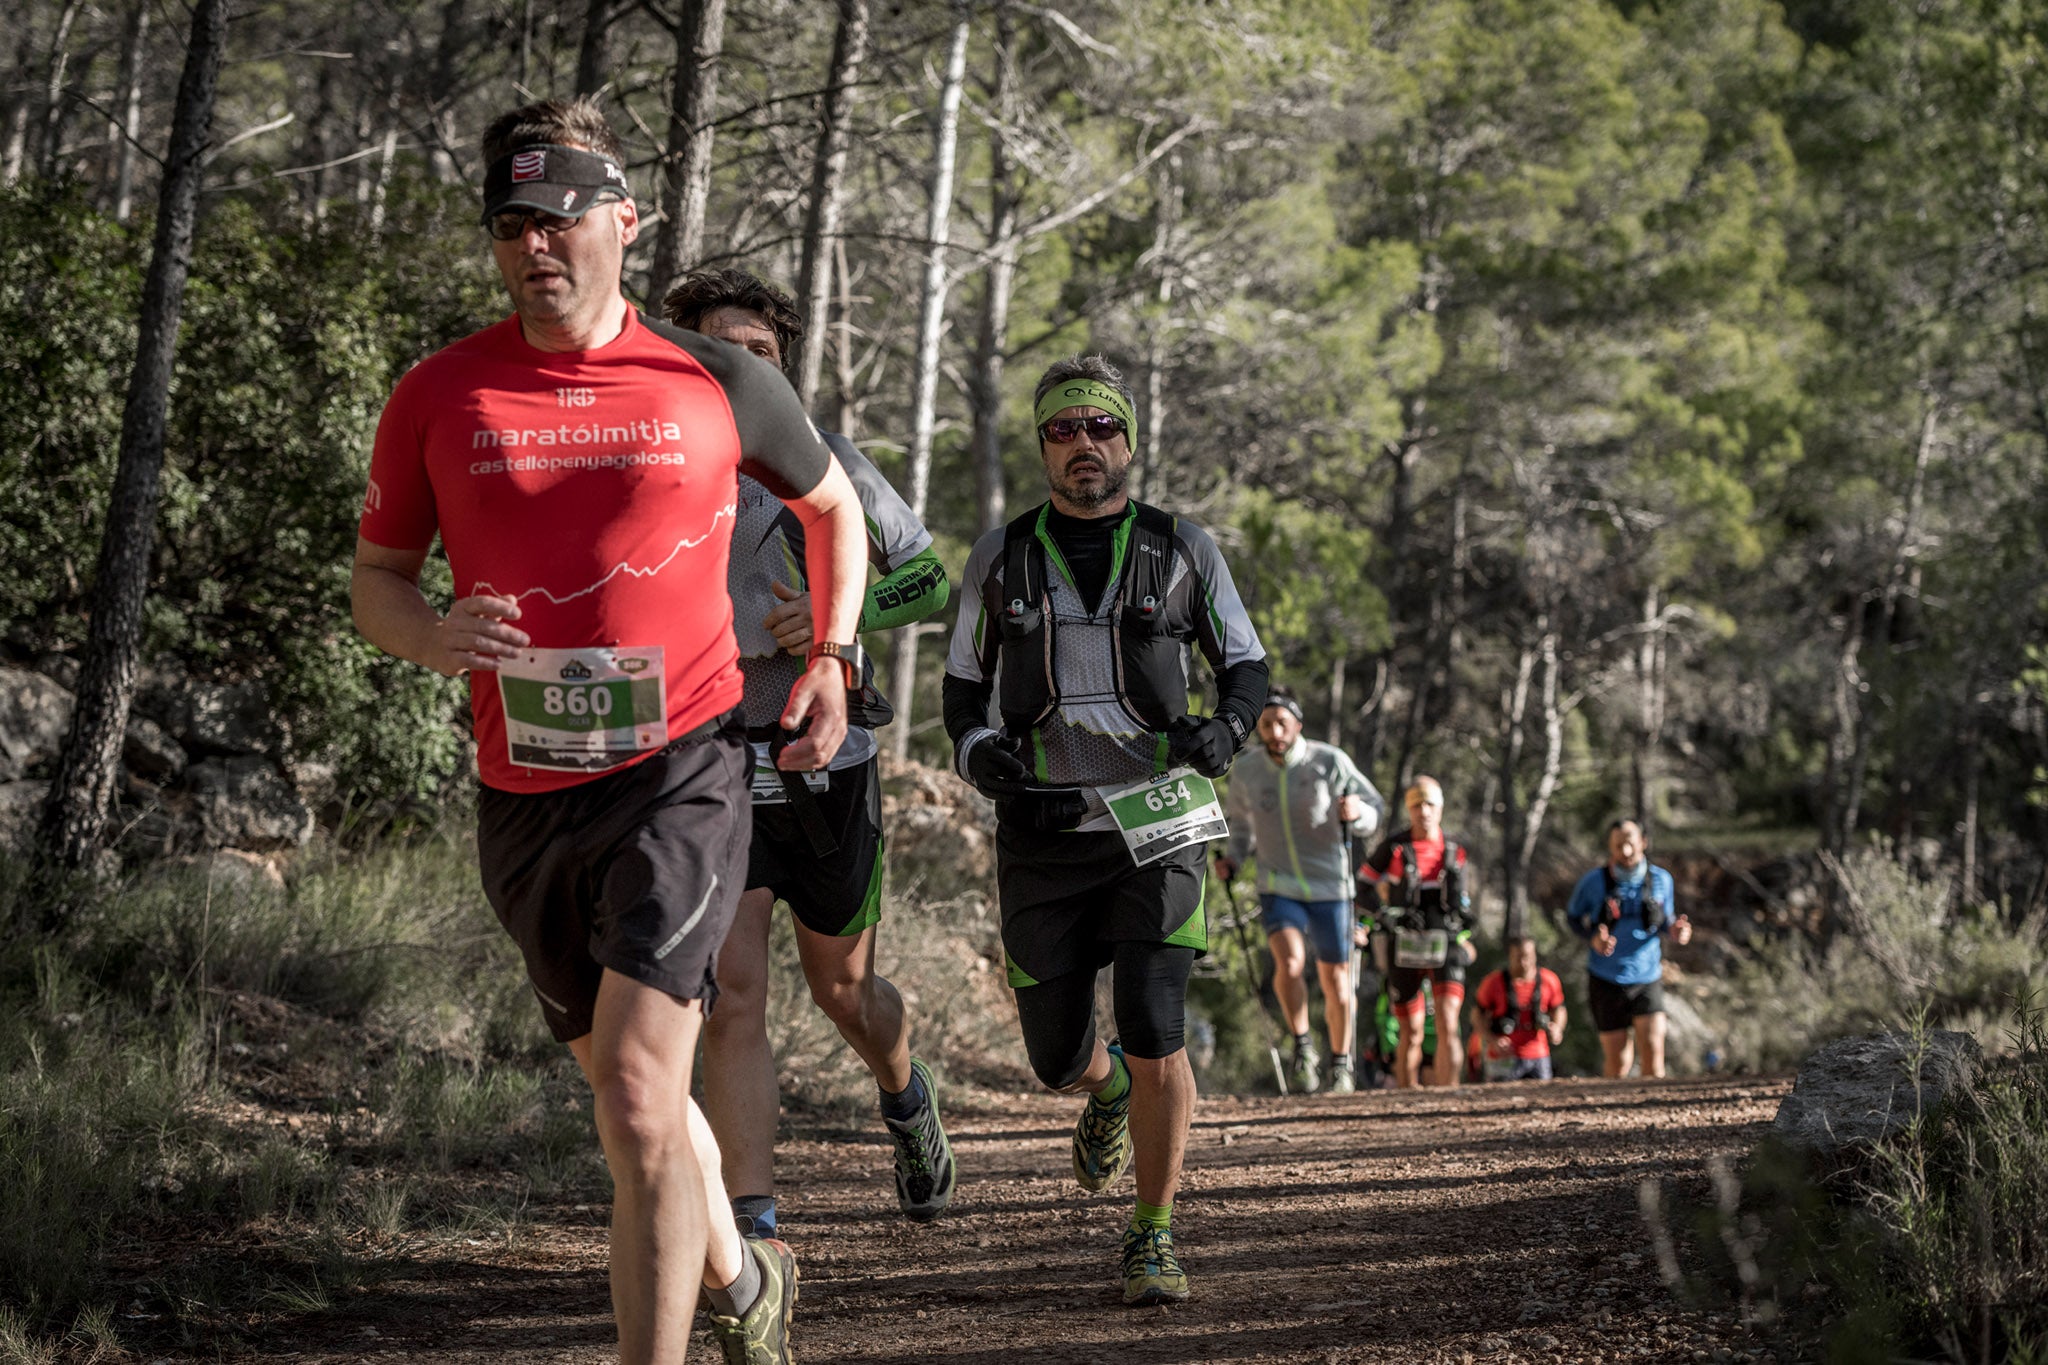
1604, 406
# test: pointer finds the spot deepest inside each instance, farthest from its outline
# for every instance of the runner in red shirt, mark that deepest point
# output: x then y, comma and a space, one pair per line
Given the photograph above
1521, 1016
579, 464
1418, 884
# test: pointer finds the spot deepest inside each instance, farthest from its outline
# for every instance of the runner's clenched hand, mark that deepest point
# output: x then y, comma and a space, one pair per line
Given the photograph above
1350, 809
1681, 931
1225, 869
1603, 941
790, 622
473, 636
819, 697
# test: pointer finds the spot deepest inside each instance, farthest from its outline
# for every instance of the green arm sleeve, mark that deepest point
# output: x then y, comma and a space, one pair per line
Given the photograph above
916, 589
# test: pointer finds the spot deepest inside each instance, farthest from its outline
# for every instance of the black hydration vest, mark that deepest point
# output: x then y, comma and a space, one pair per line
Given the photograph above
1404, 894
1151, 683
1510, 1020
1610, 903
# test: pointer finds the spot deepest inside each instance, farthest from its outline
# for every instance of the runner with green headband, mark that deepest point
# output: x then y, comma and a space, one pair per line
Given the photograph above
1075, 621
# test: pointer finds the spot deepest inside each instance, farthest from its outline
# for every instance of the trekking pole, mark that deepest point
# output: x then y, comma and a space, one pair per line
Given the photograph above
1357, 948
1252, 977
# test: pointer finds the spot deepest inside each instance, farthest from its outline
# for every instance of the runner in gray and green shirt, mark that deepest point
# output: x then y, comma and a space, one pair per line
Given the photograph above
817, 842
1295, 803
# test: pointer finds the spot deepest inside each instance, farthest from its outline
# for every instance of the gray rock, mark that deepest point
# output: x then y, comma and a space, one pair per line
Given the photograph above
207, 718
21, 805
61, 668
35, 715
150, 752
245, 802
1858, 1090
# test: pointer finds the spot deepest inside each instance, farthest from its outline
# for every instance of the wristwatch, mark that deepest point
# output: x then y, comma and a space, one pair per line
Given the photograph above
851, 655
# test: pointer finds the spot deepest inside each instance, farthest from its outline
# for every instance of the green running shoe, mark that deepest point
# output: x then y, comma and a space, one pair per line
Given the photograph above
1152, 1273
1343, 1081
1102, 1139
924, 1159
762, 1336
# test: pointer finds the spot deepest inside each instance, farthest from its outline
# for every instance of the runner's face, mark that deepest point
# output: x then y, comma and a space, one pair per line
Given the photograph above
1425, 811
567, 279
1521, 960
1084, 473
746, 329
1626, 844
1278, 730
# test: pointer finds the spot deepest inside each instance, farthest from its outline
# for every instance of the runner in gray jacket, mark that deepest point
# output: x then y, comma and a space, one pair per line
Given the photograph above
1292, 803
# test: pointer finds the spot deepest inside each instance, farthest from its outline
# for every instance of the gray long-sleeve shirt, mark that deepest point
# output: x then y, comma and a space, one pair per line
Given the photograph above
1286, 813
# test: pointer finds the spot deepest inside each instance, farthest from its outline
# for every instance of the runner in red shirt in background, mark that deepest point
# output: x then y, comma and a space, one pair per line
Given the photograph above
580, 463
1521, 1016
1419, 881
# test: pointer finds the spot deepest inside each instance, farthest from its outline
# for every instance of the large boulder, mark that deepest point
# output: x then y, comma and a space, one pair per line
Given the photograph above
208, 718
35, 716
245, 802
1858, 1090
21, 805
150, 752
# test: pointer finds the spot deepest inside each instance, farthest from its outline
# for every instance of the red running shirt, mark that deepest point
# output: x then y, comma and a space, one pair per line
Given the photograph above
1526, 1042
597, 488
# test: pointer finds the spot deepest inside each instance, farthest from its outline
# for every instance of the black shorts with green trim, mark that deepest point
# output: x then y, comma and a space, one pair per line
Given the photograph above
840, 893
1069, 898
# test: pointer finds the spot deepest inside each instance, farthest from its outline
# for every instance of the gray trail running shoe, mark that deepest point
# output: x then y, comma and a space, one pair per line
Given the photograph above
762, 1336
1102, 1139
924, 1158
1152, 1273
1304, 1078
1342, 1080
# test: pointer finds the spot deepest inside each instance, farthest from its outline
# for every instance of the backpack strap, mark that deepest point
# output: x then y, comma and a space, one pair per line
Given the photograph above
1148, 561
1023, 565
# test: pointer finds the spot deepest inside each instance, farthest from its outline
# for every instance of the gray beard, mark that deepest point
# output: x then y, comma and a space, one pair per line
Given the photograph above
1113, 481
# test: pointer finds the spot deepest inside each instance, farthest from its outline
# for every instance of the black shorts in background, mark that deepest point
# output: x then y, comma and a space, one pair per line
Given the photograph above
638, 870
839, 894
1618, 1007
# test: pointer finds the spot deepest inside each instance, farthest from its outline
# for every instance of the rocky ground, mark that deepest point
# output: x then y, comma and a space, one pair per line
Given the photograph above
1495, 1224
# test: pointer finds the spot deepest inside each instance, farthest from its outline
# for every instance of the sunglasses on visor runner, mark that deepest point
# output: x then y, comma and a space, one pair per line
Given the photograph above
510, 225
1061, 430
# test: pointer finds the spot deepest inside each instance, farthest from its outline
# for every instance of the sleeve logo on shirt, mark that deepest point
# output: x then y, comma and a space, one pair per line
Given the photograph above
373, 499
531, 165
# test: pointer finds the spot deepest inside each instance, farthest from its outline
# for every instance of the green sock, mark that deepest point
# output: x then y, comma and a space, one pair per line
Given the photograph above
1152, 1216
1119, 1081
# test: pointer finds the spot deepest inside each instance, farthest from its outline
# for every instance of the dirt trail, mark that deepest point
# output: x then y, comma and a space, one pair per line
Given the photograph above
1493, 1224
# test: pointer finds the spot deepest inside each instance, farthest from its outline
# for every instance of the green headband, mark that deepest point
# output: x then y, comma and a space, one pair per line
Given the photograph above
1088, 393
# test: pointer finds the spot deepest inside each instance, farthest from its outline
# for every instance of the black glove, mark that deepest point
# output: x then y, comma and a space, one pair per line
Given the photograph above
988, 760
1204, 741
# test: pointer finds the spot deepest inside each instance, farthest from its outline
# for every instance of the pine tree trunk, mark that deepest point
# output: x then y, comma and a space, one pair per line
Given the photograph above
986, 385
686, 168
931, 325
82, 793
53, 92
129, 131
828, 180
593, 55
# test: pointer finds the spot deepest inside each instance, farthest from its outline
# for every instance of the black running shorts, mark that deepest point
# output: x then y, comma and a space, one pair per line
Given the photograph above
838, 894
1068, 899
638, 870
1618, 1007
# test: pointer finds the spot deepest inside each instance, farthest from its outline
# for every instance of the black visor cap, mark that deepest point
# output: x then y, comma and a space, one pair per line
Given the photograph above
546, 178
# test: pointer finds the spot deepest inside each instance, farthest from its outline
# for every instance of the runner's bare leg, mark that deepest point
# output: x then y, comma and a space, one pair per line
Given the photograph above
1336, 979
664, 1167
741, 1097
1162, 1105
1408, 1051
864, 1006
1617, 1054
1649, 1029
1450, 1050
1290, 960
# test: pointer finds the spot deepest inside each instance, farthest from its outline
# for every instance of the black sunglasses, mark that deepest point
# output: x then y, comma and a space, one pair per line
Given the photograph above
1061, 430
